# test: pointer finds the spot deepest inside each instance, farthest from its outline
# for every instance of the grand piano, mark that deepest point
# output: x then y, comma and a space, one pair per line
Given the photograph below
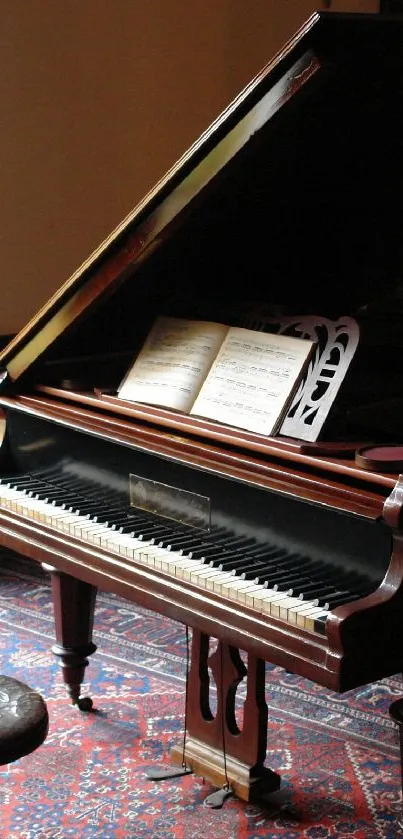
286, 549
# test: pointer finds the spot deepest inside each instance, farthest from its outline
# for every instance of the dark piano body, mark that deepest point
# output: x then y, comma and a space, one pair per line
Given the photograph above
293, 197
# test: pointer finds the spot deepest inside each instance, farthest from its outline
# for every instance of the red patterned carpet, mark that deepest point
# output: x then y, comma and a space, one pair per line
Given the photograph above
337, 755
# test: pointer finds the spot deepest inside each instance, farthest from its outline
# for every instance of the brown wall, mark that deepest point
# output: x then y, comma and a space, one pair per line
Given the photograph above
98, 99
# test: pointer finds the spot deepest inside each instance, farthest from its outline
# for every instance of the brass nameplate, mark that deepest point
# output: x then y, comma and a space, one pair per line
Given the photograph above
170, 502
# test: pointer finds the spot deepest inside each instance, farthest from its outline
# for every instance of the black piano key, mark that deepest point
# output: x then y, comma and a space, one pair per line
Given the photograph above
196, 538
303, 588
246, 562
140, 521
339, 598
208, 549
22, 480
228, 563
279, 575
239, 559
252, 573
288, 566
322, 593
234, 543
168, 536
319, 623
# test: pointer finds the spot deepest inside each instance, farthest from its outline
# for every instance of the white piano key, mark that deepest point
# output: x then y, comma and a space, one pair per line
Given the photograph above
268, 603
245, 595
233, 587
314, 616
279, 608
305, 615
300, 607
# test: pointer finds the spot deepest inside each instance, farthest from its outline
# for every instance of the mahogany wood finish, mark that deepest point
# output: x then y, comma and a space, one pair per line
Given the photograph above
383, 458
309, 477
329, 454
393, 507
215, 746
73, 604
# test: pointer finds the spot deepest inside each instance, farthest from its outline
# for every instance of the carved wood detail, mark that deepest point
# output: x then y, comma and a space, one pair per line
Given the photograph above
215, 746
73, 604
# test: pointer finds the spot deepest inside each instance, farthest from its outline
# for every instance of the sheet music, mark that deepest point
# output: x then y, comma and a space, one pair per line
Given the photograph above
252, 379
173, 362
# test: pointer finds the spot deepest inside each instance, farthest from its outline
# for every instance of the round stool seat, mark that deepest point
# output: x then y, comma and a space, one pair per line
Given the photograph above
24, 719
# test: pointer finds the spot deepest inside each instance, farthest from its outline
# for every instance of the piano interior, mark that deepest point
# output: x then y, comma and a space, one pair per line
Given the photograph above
304, 218
293, 554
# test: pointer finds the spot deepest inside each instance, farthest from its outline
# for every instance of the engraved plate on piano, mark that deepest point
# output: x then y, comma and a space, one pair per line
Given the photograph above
170, 502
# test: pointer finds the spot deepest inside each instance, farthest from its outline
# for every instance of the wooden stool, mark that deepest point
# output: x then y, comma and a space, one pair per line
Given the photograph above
24, 720
396, 712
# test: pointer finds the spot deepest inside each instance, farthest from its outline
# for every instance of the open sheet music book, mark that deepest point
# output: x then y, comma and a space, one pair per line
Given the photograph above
236, 376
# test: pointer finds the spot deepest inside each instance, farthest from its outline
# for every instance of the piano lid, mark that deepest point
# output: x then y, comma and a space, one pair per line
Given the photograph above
334, 59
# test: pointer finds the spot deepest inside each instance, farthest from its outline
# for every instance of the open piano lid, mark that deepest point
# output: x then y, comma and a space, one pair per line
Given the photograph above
286, 173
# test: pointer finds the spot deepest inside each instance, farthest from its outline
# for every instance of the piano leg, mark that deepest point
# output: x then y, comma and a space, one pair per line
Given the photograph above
215, 747
73, 604
396, 712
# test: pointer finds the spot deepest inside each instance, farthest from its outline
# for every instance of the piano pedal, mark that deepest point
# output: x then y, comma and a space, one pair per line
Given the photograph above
217, 798
163, 774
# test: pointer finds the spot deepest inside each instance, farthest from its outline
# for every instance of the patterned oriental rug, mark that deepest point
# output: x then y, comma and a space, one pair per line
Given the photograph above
337, 755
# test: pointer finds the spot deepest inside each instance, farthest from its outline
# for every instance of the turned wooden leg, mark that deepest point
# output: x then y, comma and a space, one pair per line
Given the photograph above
215, 747
73, 605
396, 712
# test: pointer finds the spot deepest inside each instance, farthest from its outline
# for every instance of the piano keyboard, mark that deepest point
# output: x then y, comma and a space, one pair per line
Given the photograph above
267, 578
